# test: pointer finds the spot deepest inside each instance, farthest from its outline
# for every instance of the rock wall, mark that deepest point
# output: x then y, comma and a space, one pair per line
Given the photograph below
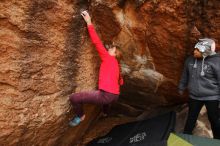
46, 54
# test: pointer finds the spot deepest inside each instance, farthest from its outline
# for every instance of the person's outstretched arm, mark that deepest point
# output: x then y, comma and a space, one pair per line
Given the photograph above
94, 36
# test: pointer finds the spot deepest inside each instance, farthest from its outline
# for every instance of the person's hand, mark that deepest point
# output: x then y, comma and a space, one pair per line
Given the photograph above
121, 81
86, 17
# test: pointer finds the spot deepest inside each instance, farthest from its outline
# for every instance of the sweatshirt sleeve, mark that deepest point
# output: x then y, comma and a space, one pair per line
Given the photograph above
217, 72
97, 42
184, 78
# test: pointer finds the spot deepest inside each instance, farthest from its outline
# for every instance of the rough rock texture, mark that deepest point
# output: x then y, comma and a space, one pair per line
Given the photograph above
46, 54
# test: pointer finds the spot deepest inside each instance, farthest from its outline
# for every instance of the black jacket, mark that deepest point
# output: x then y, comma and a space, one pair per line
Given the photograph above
201, 85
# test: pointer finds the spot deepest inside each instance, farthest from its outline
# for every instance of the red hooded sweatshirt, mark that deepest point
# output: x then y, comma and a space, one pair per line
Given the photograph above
109, 72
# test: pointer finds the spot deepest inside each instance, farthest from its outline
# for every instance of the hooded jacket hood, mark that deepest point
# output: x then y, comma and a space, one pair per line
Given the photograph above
207, 47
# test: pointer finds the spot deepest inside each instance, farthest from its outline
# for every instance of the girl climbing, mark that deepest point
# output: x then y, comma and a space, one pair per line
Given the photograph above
109, 77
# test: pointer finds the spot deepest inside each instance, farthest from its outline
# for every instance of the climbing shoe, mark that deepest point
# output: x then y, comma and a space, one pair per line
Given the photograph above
75, 121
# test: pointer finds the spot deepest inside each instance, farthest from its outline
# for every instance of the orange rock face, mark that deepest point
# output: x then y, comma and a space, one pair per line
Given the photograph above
46, 54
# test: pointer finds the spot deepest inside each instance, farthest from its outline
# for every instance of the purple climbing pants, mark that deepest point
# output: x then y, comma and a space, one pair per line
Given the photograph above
99, 97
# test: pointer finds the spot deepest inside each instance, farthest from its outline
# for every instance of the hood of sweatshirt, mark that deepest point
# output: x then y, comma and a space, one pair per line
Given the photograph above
207, 47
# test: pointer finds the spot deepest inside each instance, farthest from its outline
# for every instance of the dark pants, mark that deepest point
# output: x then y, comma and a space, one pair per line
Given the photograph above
99, 97
212, 111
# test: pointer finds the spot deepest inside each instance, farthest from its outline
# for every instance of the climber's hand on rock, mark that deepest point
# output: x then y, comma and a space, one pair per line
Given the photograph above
86, 17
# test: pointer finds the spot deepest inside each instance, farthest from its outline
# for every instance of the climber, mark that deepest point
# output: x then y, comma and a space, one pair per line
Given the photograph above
109, 77
201, 75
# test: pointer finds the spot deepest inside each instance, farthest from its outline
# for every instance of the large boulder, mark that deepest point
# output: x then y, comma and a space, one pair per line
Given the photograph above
46, 55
